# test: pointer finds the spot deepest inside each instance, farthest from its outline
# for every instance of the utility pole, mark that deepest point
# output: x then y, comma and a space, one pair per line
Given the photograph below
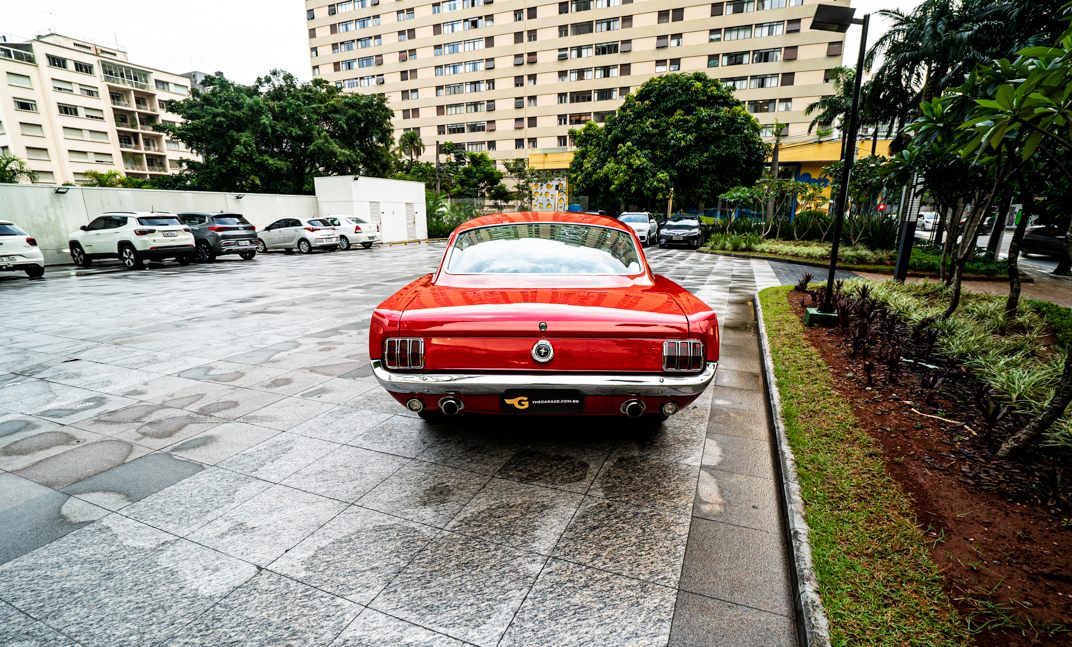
670, 203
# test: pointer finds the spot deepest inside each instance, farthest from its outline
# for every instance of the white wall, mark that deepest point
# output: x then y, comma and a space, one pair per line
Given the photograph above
50, 217
350, 196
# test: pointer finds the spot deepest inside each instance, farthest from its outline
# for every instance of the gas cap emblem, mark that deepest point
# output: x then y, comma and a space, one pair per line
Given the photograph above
543, 326
543, 352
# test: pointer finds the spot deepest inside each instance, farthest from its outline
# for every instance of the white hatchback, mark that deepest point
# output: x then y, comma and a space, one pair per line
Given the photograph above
133, 237
364, 232
19, 251
303, 234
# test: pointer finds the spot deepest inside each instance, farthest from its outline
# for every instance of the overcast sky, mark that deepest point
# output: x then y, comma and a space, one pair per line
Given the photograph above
242, 39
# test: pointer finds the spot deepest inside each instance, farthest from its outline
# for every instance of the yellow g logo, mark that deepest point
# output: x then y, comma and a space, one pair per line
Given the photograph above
520, 403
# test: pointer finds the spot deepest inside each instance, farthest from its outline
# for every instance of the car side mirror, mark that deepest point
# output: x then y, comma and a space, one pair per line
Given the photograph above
83, 228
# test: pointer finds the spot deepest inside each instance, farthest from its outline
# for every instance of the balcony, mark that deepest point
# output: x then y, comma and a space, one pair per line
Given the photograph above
157, 168
125, 125
146, 127
121, 104
15, 53
115, 80
130, 147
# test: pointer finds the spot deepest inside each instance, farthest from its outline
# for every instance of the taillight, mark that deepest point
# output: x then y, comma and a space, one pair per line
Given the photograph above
31, 242
683, 355
312, 229
186, 229
357, 229
144, 232
217, 228
403, 353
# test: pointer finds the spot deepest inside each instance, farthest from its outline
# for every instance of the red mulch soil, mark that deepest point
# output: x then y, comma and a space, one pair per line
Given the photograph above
995, 526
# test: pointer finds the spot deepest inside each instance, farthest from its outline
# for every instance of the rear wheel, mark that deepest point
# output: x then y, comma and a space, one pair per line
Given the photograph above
205, 253
36, 271
247, 256
344, 243
183, 260
261, 247
304, 247
78, 255
130, 258
366, 245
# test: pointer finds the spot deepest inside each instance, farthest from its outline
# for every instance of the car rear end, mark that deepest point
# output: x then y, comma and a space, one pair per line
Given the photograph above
320, 233
364, 232
231, 234
161, 236
19, 251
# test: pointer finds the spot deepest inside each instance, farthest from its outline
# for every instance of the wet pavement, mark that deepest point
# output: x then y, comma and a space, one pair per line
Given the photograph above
200, 456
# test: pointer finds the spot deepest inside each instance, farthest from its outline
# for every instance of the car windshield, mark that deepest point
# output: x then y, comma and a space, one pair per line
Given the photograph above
160, 221
683, 222
11, 230
320, 223
544, 248
634, 217
230, 220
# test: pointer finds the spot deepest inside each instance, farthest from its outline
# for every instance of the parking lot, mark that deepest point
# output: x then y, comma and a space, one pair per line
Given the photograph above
200, 456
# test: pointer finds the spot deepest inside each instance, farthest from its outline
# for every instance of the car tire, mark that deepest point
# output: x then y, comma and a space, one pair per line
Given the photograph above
78, 256
367, 245
129, 256
344, 243
205, 253
35, 272
247, 256
304, 247
662, 245
183, 260
261, 247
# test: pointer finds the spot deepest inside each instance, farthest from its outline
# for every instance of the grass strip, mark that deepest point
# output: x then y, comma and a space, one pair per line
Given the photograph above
878, 582
820, 264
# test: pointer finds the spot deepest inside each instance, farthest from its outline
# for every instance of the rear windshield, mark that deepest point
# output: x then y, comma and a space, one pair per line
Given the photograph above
635, 217
683, 223
11, 230
319, 223
544, 248
170, 221
230, 220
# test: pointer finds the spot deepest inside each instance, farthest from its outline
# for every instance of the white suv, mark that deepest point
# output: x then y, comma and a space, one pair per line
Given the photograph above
363, 232
303, 234
643, 223
19, 251
132, 237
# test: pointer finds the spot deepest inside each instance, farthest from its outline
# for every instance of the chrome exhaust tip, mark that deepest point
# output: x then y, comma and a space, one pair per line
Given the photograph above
415, 405
450, 406
633, 408
669, 409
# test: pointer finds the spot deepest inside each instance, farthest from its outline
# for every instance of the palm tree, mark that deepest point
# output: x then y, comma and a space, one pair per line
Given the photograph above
834, 107
410, 144
13, 170
112, 179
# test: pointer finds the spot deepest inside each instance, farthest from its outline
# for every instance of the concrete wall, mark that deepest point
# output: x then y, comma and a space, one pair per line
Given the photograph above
350, 196
49, 216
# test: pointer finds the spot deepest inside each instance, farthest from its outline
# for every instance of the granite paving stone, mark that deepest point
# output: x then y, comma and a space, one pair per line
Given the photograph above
235, 403
124, 484
738, 499
425, 492
195, 501
222, 442
484, 450
558, 465
338, 390
740, 455
15, 490
525, 516
286, 413
375, 629
81, 462
36, 522
701, 621
23, 448
18, 629
347, 473
645, 481
342, 424
270, 611
462, 587
400, 434
290, 383
356, 554
278, 457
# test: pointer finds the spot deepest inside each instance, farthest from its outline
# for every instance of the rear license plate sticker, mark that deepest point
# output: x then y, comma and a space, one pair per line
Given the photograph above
541, 401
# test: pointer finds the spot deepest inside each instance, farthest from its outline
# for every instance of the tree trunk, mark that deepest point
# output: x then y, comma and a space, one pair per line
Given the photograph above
1040, 423
1014, 254
958, 273
1065, 264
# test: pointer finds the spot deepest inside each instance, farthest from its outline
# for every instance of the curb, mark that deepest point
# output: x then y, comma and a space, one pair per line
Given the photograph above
813, 629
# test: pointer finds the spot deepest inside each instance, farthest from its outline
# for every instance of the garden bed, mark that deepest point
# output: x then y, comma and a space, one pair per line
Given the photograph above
997, 530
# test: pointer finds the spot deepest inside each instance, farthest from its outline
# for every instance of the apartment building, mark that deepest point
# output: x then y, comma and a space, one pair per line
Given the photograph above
512, 77
68, 106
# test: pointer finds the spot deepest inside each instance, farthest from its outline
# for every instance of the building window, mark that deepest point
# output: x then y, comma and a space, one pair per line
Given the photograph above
316, 70
763, 5
766, 131
562, 120
766, 55
532, 102
792, 27
741, 6
764, 81
88, 91
580, 5
561, 141
84, 68
26, 104
712, 60
56, 61
563, 97
532, 36
582, 51
580, 97
532, 13
675, 40
675, 64
677, 15
660, 66
717, 8
790, 53
62, 86
68, 110
759, 107
532, 79
584, 74
607, 94
738, 33
735, 58
475, 127
789, 78
738, 83
580, 119
563, 31
610, 24
785, 105
664, 16
474, 147
581, 28
606, 71
37, 154
770, 29
309, 15
519, 16
18, 80
474, 106
519, 144
602, 49
455, 129
833, 49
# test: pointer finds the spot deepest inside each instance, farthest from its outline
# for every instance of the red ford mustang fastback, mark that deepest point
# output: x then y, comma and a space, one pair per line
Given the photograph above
544, 313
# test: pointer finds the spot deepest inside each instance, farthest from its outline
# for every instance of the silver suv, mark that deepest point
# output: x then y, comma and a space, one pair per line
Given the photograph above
216, 234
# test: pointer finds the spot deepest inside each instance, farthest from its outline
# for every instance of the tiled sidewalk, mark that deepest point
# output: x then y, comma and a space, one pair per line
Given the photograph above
219, 467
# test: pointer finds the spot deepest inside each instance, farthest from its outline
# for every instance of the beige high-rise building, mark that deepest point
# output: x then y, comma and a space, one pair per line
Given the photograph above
512, 77
68, 106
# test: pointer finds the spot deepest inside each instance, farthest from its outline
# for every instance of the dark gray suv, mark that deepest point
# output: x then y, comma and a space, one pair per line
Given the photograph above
216, 234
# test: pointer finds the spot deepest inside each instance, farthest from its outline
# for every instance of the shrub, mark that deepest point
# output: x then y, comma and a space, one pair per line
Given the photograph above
746, 242
875, 232
811, 224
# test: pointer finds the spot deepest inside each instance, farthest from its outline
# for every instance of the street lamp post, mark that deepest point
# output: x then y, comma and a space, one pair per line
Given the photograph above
838, 19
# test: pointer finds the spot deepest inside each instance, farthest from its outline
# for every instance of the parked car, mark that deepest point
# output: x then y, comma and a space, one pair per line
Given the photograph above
19, 251
364, 232
643, 223
1044, 241
133, 237
303, 234
681, 230
216, 234
544, 313
927, 221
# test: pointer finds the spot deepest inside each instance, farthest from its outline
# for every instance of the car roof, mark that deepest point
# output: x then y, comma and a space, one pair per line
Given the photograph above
207, 213
567, 217
6, 222
138, 214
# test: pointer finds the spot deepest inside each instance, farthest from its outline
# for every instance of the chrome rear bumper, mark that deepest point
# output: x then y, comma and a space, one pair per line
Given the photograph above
493, 384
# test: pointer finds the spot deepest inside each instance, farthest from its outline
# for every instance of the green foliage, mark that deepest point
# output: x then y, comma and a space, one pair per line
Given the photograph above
276, 135
872, 231
833, 107
525, 179
411, 145
927, 260
114, 179
776, 199
811, 224
740, 242
1058, 318
14, 170
866, 182
685, 131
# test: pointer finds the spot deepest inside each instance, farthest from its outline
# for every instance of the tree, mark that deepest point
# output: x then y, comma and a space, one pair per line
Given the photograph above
470, 175
276, 135
115, 180
835, 107
866, 181
410, 144
14, 170
526, 179
685, 131
784, 199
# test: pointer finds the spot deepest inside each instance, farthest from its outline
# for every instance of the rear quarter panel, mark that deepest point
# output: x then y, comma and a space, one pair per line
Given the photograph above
703, 323
386, 316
